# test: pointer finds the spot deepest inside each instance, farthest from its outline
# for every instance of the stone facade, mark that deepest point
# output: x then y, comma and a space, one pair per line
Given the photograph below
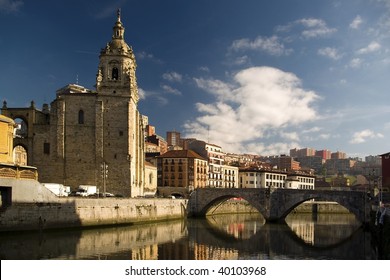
85, 129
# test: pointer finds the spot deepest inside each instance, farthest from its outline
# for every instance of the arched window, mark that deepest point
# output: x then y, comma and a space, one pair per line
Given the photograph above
114, 74
81, 117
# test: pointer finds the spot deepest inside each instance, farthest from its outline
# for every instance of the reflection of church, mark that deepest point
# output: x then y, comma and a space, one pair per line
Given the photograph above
84, 129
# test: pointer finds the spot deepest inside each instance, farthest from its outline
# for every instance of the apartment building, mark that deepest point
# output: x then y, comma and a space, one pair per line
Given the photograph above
325, 154
262, 178
230, 176
385, 171
259, 178
305, 152
216, 159
182, 169
300, 181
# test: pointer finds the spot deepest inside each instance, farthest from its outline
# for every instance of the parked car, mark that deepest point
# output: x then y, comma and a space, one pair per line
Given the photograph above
107, 194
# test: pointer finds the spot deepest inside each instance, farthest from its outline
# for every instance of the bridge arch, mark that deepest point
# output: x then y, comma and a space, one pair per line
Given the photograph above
354, 202
215, 203
276, 204
203, 200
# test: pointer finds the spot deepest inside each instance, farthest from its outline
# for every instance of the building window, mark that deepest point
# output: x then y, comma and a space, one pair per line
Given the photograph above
81, 117
46, 148
114, 74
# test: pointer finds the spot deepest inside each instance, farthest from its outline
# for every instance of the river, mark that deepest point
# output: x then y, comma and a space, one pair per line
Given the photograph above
219, 237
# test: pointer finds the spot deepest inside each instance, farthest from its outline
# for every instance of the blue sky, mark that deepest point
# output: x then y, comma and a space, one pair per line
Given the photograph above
251, 76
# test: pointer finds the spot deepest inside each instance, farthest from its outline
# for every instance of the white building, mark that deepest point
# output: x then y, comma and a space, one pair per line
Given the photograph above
300, 181
216, 160
230, 176
262, 178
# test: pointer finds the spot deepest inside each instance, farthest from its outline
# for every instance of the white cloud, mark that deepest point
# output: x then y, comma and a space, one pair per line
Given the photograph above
10, 6
357, 21
312, 28
141, 94
241, 60
372, 47
170, 89
293, 136
270, 45
152, 95
147, 56
362, 136
172, 77
261, 101
355, 63
204, 69
330, 53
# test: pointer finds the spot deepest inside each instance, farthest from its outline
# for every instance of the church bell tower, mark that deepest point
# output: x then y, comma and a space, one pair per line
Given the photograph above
116, 72
119, 134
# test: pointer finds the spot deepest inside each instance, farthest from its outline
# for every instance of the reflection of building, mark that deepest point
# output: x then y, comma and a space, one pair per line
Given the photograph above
304, 230
148, 252
207, 252
85, 128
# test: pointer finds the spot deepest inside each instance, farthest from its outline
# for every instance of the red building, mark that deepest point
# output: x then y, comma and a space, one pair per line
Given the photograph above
386, 170
325, 154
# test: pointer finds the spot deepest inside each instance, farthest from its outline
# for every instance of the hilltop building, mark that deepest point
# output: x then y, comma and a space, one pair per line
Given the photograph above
85, 129
385, 171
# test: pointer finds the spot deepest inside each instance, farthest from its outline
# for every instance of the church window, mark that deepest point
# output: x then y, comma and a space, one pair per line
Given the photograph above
81, 117
114, 74
46, 148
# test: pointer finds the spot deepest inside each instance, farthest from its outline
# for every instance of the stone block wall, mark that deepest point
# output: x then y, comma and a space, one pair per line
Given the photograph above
84, 212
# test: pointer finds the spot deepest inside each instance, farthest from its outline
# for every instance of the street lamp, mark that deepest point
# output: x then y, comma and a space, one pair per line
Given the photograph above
104, 168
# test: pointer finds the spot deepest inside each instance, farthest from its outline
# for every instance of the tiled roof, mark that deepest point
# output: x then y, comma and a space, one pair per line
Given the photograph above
181, 154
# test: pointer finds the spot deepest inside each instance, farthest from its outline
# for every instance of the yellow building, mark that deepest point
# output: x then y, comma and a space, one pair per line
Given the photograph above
7, 126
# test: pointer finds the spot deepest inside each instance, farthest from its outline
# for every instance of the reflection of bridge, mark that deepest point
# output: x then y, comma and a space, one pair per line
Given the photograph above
278, 241
276, 204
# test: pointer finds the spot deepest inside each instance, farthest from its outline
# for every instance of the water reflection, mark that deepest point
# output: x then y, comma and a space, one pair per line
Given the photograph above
217, 237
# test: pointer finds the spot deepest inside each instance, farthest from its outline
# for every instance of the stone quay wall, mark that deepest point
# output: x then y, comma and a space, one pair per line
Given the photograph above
87, 212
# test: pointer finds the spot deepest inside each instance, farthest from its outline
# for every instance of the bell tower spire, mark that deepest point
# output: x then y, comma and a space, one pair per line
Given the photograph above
116, 72
118, 13
118, 28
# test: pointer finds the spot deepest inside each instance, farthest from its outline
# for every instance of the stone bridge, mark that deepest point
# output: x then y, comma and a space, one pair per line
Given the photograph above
276, 204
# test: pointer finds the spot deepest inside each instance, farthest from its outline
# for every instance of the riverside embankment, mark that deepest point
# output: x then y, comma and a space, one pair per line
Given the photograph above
27, 205
86, 212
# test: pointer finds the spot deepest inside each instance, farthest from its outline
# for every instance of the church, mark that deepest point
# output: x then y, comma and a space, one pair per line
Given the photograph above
90, 137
